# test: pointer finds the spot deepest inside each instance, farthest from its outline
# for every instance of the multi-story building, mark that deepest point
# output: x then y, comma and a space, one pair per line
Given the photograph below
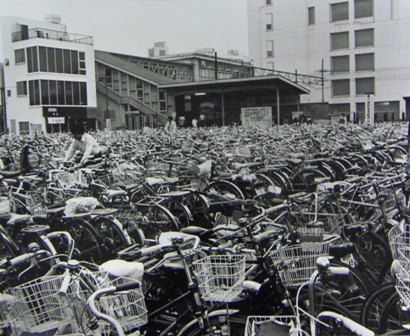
360, 47
159, 49
48, 75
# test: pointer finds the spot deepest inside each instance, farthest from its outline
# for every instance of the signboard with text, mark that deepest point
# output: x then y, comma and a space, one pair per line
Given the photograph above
256, 116
56, 120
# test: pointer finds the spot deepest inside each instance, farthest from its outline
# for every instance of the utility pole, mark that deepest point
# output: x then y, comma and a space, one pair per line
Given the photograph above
322, 71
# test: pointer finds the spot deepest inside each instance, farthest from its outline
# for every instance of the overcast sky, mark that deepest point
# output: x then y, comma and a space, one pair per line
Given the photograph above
132, 26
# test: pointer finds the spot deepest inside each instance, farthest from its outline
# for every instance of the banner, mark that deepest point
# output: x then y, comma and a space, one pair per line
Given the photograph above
369, 109
256, 116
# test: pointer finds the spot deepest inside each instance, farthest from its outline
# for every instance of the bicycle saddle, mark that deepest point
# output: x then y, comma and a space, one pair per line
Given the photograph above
121, 268
18, 219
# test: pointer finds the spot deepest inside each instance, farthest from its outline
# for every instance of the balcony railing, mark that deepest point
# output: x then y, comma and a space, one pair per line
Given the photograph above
52, 35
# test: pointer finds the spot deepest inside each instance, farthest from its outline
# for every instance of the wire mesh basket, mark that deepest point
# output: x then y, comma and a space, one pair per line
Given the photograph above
402, 275
296, 263
127, 307
37, 305
397, 238
220, 277
68, 180
270, 325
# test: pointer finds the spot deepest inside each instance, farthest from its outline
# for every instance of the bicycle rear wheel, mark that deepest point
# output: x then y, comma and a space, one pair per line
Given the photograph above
87, 240
220, 325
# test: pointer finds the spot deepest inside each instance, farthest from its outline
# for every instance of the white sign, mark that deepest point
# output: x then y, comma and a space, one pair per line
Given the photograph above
369, 109
56, 120
256, 116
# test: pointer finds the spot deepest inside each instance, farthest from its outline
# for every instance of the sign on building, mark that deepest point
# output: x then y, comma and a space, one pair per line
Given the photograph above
55, 120
256, 116
369, 109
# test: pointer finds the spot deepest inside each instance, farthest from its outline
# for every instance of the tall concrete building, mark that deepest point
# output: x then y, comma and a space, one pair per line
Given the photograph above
361, 47
48, 75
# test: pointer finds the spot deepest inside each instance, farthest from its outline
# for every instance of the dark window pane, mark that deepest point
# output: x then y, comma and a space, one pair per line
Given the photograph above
43, 58
74, 62
30, 59
364, 38
340, 87
68, 93
19, 56
35, 59
51, 60
22, 88
339, 40
339, 11
363, 8
364, 85
31, 93
311, 15
365, 62
44, 93
67, 61
60, 93
53, 92
340, 64
83, 91
76, 93
59, 61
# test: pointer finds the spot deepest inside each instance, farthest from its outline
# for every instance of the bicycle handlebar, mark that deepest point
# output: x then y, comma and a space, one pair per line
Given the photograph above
353, 326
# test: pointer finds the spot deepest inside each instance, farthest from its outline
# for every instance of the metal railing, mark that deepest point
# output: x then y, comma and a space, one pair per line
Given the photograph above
52, 35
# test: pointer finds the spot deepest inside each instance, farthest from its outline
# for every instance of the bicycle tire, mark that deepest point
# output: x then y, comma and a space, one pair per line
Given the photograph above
157, 219
114, 238
374, 305
87, 240
393, 316
219, 324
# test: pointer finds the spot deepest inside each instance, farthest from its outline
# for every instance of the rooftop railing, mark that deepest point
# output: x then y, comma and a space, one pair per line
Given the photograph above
52, 35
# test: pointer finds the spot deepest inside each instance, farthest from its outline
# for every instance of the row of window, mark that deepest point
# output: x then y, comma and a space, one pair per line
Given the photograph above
363, 62
339, 41
54, 60
52, 92
362, 38
338, 12
341, 87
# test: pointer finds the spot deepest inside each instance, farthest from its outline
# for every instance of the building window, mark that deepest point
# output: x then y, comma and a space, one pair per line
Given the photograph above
340, 64
364, 38
8, 93
24, 127
20, 56
363, 8
269, 21
22, 88
339, 11
269, 48
268, 2
81, 63
339, 41
51, 92
364, 62
340, 87
32, 59
311, 16
364, 86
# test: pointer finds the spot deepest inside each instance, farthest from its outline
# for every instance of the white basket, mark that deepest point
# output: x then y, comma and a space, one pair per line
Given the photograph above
38, 306
270, 325
127, 307
5, 207
397, 239
403, 282
220, 277
296, 263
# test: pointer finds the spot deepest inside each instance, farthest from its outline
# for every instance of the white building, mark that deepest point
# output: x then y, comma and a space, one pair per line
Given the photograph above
48, 75
362, 47
159, 49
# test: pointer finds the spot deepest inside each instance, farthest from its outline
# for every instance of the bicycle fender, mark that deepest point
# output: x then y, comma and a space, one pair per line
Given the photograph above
220, 312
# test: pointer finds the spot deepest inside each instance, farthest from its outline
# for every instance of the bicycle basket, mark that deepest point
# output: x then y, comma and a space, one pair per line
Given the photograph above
269, 325
38, 306
397, 239
403, 282
220, 277
296, 263
68, 180
127, 307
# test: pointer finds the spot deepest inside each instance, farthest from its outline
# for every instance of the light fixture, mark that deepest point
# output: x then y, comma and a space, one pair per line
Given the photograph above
200, 94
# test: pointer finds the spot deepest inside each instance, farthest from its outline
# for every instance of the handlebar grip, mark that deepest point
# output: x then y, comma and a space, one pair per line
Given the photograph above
66, 282
21, 259
127, 286
353, 326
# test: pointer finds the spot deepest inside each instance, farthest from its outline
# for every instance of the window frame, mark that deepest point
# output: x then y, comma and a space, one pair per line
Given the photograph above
344, 94
356, 9
332, 14
21, 85
332, 35
18, 55
311, 16
358, 31
372, 91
